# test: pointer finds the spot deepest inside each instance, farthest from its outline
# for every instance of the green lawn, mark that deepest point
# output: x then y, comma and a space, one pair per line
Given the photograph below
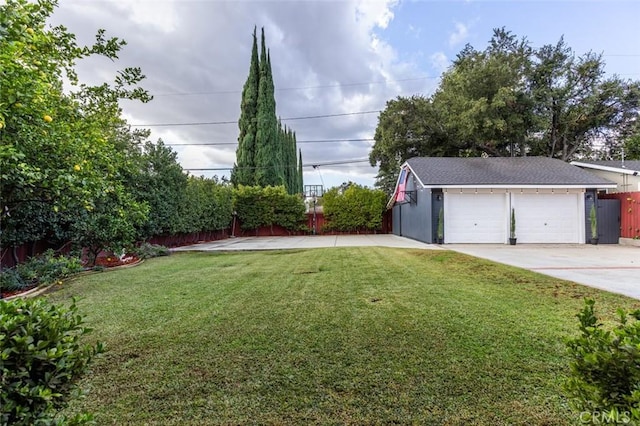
329, 336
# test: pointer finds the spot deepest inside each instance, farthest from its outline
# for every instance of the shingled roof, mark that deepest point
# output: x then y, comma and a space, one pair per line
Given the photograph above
502, 171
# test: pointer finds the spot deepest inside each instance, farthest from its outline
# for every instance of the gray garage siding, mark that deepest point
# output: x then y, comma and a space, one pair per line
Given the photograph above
413, 220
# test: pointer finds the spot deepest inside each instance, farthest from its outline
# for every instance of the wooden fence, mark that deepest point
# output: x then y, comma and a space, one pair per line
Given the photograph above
28, 250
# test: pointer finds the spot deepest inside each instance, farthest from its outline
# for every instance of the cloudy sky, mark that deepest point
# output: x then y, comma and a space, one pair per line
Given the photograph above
336, 61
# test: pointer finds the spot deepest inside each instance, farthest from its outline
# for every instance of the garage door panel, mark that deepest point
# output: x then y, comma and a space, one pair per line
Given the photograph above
547, 218
475, 218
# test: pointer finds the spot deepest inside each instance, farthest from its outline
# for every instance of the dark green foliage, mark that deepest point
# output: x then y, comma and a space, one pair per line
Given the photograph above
605, 366
268, 206
593, 221
268, 168
354, 208
289, 212
10, 280
44, 269
148, 251
161, 184
408, 127
41, 360
266, 151
243, 172
48, 268
632, 142
512, 225
290, 163
300, 174
208, 206
111, 223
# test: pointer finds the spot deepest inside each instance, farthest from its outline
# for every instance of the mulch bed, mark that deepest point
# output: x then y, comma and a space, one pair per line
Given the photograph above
109, 261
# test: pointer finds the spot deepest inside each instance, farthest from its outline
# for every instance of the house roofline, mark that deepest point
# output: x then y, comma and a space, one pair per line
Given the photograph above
524, 186
606, 168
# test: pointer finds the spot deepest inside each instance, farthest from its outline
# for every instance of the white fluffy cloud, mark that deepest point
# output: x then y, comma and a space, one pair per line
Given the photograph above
459, 35
327, 58
439, 62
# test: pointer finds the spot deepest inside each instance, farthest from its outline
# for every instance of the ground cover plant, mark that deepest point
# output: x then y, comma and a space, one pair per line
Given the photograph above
44, 269
330, 336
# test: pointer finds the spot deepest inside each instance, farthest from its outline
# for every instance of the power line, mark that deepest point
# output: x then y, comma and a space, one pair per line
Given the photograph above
314, 165
330, 86
235, 122
285, 89
301, 141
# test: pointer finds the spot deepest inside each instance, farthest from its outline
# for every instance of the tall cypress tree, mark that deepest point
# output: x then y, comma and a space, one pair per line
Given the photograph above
291, 163
243, 170
266, 153
267, 170
300, 178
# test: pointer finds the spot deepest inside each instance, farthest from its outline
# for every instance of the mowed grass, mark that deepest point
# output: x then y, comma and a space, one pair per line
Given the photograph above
329, 336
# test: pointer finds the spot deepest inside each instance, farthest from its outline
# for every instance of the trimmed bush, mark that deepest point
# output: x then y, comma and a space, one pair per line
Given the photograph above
353, 207
41, 360
605, 368
257, 206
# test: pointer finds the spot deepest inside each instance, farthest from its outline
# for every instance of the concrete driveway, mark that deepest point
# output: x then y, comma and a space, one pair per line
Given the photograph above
303, 242
609, 267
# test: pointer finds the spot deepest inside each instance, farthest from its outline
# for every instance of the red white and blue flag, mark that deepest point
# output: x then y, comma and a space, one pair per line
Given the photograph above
402, 184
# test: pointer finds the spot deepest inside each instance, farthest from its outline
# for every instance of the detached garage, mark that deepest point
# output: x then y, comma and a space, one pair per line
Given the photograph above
470, 200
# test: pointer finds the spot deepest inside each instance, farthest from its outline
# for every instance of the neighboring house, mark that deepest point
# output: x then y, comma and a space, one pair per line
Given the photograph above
625, 173
551, 199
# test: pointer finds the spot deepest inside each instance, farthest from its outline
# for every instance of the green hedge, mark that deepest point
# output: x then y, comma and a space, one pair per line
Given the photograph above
354, 208
263, 207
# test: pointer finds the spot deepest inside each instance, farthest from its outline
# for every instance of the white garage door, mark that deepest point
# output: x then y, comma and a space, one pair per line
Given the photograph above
475, 218
548, 218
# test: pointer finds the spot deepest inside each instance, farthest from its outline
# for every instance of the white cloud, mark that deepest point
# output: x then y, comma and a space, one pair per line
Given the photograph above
439, 62
375, 13
196, 59
157, 15
458, 36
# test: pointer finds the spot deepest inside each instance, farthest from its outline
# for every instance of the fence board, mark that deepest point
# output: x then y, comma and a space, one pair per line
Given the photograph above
629, 212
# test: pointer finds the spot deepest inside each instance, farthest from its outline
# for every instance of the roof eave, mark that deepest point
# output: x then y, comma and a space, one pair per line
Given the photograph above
525, 186
606, 168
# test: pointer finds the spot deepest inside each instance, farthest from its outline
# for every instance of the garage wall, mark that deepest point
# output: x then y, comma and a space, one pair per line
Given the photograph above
413, 220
